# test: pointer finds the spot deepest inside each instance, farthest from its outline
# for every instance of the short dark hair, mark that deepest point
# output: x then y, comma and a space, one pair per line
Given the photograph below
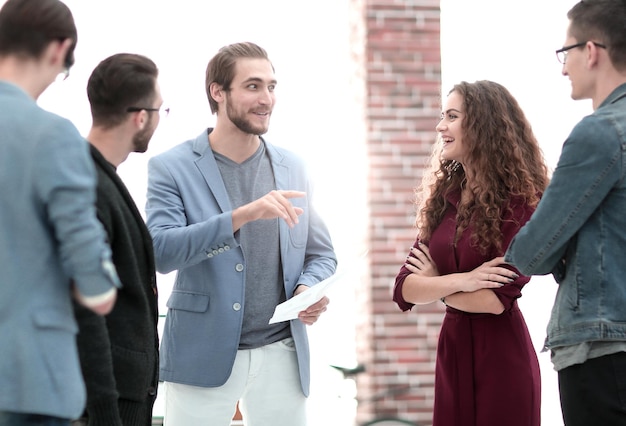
603, 21
221, 68
28, 26
120, 81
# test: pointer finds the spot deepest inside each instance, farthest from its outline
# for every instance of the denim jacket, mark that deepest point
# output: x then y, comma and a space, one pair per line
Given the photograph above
578, 232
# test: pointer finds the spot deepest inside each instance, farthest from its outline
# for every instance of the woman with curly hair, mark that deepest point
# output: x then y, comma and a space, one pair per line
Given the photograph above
486, 178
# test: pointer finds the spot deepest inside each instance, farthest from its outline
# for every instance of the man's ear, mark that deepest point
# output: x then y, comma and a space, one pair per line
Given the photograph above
217, 92
57, 51
593, 53
140, 118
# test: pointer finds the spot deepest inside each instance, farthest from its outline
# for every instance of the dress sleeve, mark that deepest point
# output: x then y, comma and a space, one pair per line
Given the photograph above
397, 288
513, 220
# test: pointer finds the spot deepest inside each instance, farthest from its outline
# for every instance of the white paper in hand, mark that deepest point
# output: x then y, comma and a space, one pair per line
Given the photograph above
290, 309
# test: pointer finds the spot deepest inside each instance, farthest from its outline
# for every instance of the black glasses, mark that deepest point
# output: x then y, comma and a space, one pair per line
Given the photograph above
68, 61
561, 54
163, 111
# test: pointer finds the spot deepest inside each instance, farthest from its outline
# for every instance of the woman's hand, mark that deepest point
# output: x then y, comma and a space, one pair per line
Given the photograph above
488, 275
422, 264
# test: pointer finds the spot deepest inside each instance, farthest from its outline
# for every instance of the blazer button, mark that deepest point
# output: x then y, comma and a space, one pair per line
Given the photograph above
237, 306
239, 267
209, 255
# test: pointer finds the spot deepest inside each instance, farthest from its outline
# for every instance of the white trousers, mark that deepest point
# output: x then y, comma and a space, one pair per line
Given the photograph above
265, 381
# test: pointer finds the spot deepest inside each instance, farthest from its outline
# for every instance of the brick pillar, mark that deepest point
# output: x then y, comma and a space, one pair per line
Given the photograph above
400, 65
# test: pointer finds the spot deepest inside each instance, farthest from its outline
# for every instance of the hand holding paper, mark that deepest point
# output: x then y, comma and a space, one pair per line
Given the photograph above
290, 309
310, 315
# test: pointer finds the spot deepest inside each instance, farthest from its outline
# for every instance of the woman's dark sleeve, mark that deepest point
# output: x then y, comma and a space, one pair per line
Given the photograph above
397, 288
512, 222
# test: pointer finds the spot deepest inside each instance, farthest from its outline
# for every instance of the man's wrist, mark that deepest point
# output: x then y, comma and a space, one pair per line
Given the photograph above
295, 290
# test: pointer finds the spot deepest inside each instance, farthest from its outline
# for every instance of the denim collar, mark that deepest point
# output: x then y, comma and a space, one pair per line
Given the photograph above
616, 95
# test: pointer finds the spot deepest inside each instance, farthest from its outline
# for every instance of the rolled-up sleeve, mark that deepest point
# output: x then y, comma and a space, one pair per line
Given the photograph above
513, 219
67, 182
399, 283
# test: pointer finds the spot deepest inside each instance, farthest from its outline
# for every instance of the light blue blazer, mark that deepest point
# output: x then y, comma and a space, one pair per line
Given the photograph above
190, 218
49, 234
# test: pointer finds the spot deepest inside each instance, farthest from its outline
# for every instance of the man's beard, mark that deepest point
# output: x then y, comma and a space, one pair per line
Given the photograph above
243, 124
142, 138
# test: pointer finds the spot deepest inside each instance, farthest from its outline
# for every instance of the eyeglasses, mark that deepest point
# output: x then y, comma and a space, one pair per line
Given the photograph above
67, 64
63, 75
561, 54
68, 61
163, 111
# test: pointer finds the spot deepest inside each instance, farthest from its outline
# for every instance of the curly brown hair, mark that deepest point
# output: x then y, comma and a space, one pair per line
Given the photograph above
506, 162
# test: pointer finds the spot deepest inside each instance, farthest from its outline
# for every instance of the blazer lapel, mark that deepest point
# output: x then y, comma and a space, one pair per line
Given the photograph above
283, 182
210, 172
281, 172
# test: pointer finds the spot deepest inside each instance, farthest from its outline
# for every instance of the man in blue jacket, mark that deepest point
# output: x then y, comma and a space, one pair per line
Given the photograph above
578, 232
51, 243
233, 214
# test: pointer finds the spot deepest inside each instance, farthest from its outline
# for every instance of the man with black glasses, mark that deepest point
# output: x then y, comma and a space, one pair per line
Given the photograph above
578, 232
119, 353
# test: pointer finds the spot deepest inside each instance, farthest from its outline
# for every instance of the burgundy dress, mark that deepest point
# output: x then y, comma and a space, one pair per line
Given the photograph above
487, 373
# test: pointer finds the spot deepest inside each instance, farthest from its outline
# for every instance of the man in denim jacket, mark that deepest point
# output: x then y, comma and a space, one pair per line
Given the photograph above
578, 232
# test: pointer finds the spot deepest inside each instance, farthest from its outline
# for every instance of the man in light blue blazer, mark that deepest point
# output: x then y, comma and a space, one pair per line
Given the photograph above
51, 243
233, 215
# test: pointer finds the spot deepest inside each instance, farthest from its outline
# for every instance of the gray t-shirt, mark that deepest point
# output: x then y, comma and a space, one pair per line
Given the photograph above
246, 182
566, 356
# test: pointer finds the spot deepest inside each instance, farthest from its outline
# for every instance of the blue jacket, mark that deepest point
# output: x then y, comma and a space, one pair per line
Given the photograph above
190, 218
578, 232
49, 234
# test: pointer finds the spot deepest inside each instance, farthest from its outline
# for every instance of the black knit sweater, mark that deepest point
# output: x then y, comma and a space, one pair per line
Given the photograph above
119, 352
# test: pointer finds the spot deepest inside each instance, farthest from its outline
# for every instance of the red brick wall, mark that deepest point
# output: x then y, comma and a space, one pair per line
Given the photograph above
401, 71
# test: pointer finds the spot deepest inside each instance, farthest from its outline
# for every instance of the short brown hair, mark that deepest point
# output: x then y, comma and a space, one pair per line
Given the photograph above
28, 26
221, 68
603, 21
120, 81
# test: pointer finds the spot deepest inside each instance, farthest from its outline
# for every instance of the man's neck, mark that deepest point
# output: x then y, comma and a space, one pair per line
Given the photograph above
26, 74
233, 143
113, 145
606, 85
